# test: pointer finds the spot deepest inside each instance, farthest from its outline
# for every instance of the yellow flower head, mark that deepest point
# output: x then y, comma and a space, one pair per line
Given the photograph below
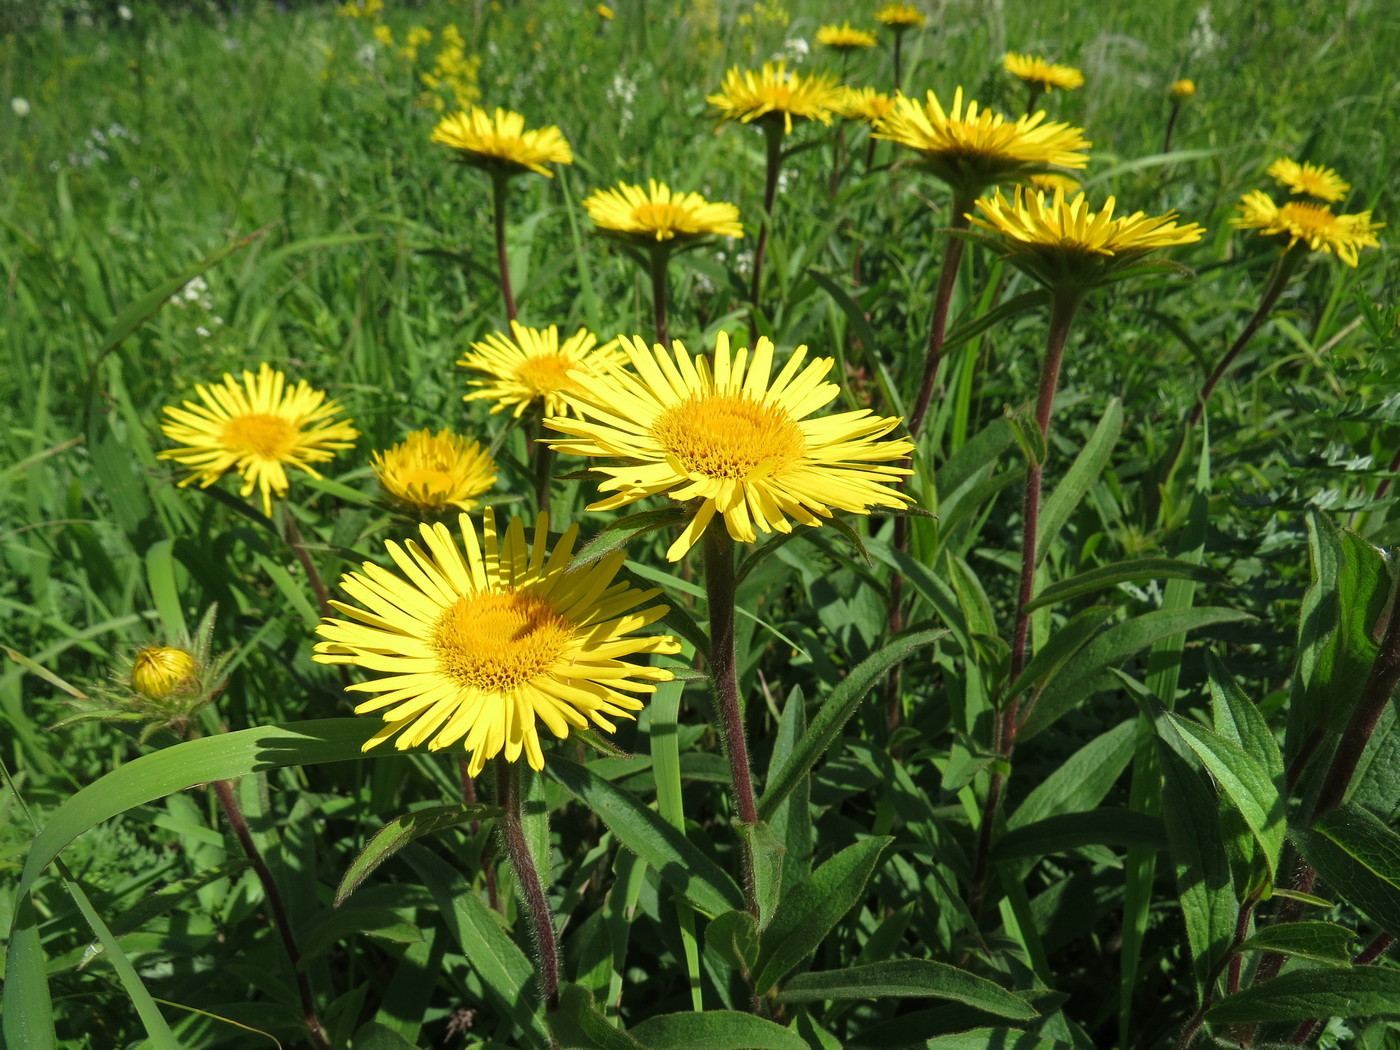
900, 17
655, 214
484, 639
1316, 225
1040, 74
1315, 181
864, 104
430, 472
533, 367
258, 428
605, 12
1181, 90
774, 92
1062, 243
845, 38
1050, 181
975, 148
158, 671
729, 438
501, 144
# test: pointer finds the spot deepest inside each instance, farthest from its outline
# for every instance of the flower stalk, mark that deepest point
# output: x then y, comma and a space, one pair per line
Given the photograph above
499, 183
659, 257
938, 327
527, 878
773, 143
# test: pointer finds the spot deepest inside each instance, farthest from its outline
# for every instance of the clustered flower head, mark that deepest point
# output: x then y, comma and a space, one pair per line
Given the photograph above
727, 437
774, 93
531, 368
900, 17
657, 215
500, 144
1310, 180
479, 637
845, 38
1315, 225
257, 428
429, 473
974, 148
1040, 74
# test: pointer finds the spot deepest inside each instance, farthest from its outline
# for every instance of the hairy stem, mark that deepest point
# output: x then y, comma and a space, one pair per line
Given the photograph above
660, 255
527, 878
938, 328
773, 141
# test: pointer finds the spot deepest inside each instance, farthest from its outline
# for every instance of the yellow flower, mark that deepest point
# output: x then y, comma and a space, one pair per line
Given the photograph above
384, 35
1316, 225
731, 439
900, 17
845, 38
774, 92
360, 8
257, 429
1040, 74
534, 367
604, 11
487, 644
1050, 181
160, 670
431, 472
1063, 244
974, 149
1181, 90
501, 143
656, 214
1311, 179
865, 104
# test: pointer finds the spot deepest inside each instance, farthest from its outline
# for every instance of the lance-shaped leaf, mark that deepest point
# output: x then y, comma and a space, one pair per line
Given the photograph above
1365, 991
908, 979
715, 1030
398, 833
1358, 858
1323, 942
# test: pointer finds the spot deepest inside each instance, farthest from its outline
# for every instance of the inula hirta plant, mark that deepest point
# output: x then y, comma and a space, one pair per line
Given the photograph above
428, 473
1041, 76
257, 428
531, 368
480, 641
845, 38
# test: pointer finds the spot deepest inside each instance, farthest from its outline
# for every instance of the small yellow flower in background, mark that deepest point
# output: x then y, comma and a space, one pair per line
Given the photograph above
1316, 225
733, 439
1311, 180
501, 143
1063, 244
657, 214
161, 670
975, 148
413, 40
360, 8
430, 472
1040, 74
605, 12
864, 103
1181, 90
1050, 181
845, 38
900, 17
485, 639
534, 368
384, 35
258, 429
772, 92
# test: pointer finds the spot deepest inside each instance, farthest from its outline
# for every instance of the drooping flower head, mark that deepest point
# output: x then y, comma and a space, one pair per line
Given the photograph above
865, 104
1040, 74
732, 439
430, 472
900, 17
480, 640
533, 368
656, 214
975, 148
775, 94
501, 144
845, 37
1063, 244
1182, 90
1315, 181
258, 428
1315, 225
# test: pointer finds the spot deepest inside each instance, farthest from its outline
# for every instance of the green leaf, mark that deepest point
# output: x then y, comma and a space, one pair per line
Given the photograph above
715, 1030
398, 833
1081, 781
734, 935
1060, 650
792, 818
1323, 942
1102, 576
622, 531
1027, 433
767, 853
1100, 827
682, 865
908, 979
1298, 995
835, 712
577, 1024
376, 1036
998, 1038
809, 910
1358, 858
1081, 678
1240, 721
1082, 474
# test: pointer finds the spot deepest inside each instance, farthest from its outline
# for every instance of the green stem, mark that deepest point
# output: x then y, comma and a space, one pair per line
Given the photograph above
773, 141
898, 48
542, 457
660, 255
947, 278
499, 182
1171, 126
527, 878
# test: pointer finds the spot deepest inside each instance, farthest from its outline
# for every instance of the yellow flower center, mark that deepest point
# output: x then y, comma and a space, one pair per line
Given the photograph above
546, 373
654, 216
259, 434
729, 436
498, 642
1309, 220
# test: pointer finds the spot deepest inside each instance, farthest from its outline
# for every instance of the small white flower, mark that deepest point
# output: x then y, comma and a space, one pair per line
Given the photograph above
20, 106
124, 12
203, 332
